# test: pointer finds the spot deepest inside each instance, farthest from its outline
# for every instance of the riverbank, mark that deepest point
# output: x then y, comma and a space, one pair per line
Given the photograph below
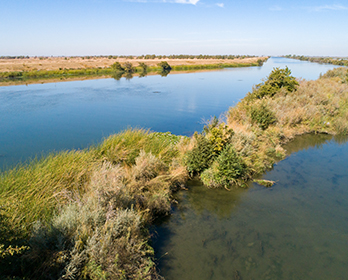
341, 61
36, 70
95, 205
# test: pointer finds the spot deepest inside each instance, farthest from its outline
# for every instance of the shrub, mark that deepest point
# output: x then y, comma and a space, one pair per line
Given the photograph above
201, 156
262, 115
226, 170
143, 66
279, 78
218, 134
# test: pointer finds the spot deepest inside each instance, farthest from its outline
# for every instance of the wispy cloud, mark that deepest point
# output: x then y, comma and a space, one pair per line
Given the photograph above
275, 8
328, 7
221, 5
192, 2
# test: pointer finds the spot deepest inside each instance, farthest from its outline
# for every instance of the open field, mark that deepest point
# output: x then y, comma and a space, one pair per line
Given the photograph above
58, 63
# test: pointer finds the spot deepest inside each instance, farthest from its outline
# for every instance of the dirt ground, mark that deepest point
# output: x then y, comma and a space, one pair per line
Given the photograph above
55, 63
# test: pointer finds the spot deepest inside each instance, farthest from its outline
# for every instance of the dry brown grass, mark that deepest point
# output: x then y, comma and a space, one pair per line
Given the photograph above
54, 63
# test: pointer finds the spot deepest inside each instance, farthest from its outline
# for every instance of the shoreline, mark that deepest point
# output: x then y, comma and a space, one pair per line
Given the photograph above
33, 75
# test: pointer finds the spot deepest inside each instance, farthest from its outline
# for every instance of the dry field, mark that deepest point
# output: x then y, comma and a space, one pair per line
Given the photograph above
56, 63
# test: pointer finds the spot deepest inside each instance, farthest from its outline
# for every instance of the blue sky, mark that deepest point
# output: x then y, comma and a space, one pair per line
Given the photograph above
124, 27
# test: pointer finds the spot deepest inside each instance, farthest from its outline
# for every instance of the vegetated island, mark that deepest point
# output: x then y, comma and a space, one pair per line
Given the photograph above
85, 214
21, 70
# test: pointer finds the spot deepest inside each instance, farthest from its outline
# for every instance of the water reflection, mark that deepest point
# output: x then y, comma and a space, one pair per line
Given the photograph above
164, 73
307, 141
216, 201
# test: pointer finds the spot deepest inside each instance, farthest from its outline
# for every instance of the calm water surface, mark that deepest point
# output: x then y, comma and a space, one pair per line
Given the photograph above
298, 229
40, 118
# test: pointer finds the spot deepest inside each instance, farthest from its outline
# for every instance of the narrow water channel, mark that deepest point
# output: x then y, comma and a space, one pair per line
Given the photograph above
297, 229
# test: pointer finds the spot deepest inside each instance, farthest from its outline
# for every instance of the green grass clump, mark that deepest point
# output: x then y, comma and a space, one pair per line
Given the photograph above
125, 146
31, 192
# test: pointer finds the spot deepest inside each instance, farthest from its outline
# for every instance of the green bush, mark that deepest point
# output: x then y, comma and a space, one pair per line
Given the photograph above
165, 66
117, 67
143, 66
226, 170
201, 156
128, 67
218, 134
262, 115
279, 78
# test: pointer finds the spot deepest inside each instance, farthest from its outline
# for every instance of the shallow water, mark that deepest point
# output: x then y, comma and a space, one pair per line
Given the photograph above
37, 119
297, 229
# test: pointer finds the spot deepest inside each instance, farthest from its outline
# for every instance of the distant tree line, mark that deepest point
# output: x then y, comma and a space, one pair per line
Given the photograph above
342, 61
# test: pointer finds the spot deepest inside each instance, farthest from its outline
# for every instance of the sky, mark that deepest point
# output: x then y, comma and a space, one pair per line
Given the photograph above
164, 27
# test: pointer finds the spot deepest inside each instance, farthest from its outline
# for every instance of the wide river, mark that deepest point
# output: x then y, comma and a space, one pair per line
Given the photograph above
298, 229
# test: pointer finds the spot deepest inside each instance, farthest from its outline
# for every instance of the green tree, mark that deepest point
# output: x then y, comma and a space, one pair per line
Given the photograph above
117, 67
128, 67
165, 66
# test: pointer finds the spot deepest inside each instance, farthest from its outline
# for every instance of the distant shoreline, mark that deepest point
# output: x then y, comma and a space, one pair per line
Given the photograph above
57, 69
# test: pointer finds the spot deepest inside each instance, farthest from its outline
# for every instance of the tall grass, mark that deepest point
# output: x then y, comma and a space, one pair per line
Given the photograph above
30, 192
86, 212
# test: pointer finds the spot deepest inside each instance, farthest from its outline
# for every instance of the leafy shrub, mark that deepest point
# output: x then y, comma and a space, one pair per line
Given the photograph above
262, 115
218, 134
279, 78
226, 170
201, 156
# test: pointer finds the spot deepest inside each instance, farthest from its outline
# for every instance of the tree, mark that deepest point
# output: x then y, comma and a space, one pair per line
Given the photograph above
117, 67
128, 67
165, 66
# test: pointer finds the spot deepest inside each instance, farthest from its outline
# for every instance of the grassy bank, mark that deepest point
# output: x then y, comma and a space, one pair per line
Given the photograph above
85, 214
116, 70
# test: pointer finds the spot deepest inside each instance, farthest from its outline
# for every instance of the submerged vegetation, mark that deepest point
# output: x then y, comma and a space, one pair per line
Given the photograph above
85, 214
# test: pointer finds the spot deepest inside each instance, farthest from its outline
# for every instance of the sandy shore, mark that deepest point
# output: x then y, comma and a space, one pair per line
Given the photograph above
56, 63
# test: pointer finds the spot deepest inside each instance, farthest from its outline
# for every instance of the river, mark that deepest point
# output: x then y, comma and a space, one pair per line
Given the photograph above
39, 118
